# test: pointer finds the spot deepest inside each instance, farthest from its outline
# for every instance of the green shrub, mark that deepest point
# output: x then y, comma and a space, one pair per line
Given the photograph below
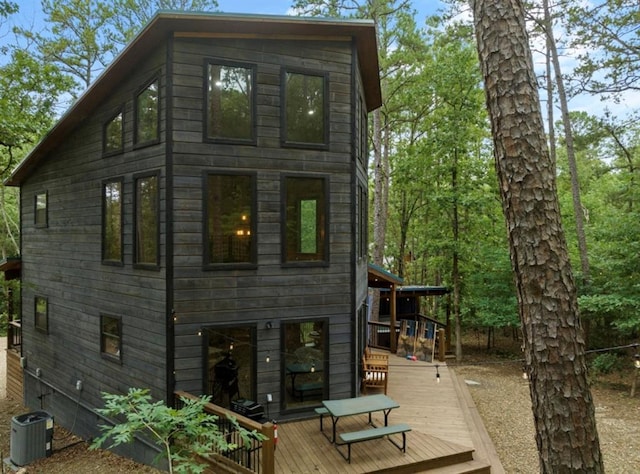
606, 363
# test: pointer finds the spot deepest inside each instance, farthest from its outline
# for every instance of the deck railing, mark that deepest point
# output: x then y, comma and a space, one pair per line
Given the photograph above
14, 335
380, 331
256, 457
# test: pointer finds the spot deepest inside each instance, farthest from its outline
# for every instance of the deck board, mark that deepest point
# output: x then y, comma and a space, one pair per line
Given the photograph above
441, 419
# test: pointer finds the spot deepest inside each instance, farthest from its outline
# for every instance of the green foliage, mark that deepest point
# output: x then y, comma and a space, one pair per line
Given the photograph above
606, 363
180, 433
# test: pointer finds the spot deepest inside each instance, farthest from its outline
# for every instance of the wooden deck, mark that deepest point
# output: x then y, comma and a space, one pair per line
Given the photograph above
447, 433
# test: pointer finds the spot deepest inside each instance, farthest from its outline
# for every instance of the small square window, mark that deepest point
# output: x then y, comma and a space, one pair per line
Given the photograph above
147, 114
111, 337
41, 308
41, 210
305, 229
230, 101
305, 109
113, 138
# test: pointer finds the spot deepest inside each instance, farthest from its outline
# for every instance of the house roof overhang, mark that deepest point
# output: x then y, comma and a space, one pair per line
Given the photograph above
378, 277
166, 24
11, 267
420, 290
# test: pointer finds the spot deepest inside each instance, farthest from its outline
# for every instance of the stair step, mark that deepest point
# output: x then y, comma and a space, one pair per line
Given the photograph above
467, 467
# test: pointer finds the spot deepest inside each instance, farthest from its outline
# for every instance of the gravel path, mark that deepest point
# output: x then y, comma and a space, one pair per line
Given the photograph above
502, 399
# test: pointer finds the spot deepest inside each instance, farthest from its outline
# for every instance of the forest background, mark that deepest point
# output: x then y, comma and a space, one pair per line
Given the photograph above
435, 212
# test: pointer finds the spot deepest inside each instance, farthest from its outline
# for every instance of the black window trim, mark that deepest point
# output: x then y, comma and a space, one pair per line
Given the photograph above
45, 224
254, 101
254, 222
136, 264
105, 355
145, 86
105, 153
284, 141
120, 262
39, 329
325, 262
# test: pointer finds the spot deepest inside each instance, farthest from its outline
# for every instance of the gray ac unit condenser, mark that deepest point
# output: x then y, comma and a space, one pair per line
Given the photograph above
31, 437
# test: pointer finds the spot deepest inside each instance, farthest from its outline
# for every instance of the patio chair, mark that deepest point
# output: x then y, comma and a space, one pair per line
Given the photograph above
375, 374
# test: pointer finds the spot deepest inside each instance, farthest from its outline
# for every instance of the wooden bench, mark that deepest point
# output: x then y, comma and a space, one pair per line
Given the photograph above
299, 390
374, 433
375, 374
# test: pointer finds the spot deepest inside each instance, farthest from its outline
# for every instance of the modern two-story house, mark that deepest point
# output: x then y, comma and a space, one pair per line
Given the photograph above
197, 220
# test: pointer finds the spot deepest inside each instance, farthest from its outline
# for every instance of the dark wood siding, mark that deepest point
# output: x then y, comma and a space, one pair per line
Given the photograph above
270, 292
62, 262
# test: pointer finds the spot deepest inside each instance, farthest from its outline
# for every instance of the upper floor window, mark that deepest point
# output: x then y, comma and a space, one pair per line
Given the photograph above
111, 337
112, 221
230, 99
306, 223
147, 220
147, 114
113, 138
41, 308
305, 109
230, 236
41, 210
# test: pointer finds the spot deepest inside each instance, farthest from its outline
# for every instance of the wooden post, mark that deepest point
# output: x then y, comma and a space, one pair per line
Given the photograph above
441, 344
268, 449
392, 323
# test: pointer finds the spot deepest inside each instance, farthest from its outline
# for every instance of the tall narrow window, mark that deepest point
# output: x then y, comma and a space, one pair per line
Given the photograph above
112, 221
147, 113
111, 337
230, 223
305, 220
41, 210
147, 220
230, 102
113, 138
41, 314
305, 109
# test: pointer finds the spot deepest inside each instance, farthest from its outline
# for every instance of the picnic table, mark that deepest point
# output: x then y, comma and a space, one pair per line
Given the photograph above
358, 406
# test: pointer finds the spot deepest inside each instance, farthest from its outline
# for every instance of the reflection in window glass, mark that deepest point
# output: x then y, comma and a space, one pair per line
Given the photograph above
230, 237
147, 114
305, 219
304, 108
147, 220
304, 352
110, 336
112, 221
41, 210
229, 102
41, 314
113, 135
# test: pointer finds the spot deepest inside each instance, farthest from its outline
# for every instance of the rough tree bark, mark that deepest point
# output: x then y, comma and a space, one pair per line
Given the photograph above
554, 347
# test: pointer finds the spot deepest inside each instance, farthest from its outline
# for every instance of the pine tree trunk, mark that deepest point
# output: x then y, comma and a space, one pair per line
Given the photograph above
563, 409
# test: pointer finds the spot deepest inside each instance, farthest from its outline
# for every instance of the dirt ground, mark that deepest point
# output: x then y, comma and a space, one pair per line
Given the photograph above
495, 383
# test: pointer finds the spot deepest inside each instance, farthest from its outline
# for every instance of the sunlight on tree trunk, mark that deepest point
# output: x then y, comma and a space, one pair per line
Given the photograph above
554, 346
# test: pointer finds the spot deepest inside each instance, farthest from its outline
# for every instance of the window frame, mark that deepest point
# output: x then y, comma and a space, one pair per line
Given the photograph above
105, 126
136, 114
323, 247
252, 140
39, 327
103, 335
136, 256
107, 261
45, 215
253, 226
285, 142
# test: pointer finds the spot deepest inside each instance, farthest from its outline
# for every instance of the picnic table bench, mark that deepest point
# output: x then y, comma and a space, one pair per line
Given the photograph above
375, 433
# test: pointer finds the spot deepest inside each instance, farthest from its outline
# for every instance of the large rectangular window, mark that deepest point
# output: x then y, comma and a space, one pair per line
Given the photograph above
305, 229
41, 309
230, 102
305, 109
305, 356
147, 220
230, 236
147, 114
111, 337
112, 221
41, 210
